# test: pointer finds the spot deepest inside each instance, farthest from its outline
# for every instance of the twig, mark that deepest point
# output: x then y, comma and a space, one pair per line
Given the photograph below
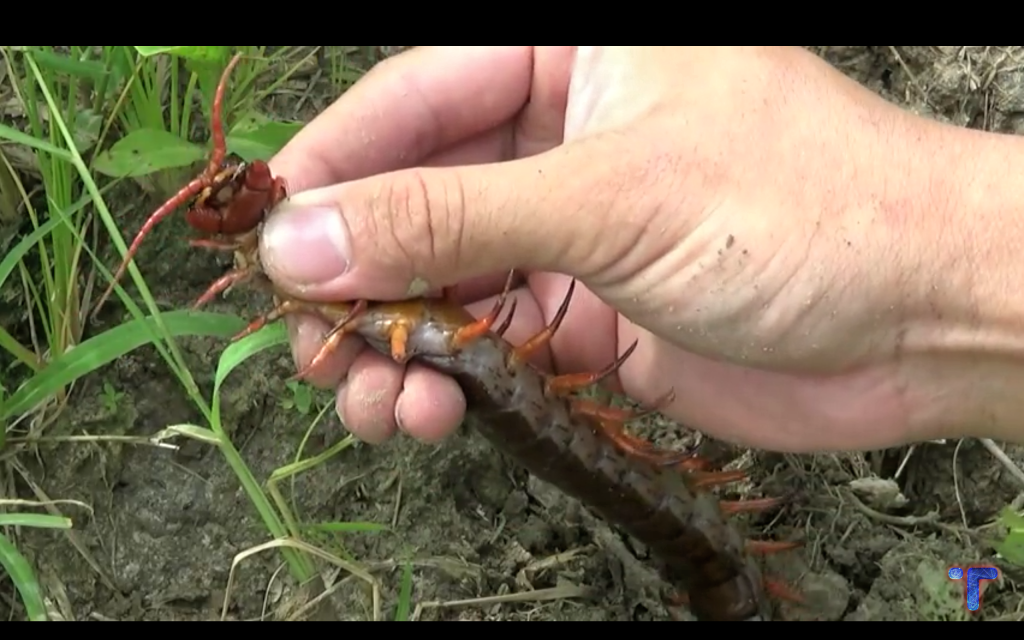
931, 519
1004, 459
563, 592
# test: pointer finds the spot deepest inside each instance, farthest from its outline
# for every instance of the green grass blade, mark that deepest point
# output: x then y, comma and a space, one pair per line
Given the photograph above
17, 137
255, 140
234, 355
34, 520
404, 595
24, 579
21, 353
237, 353
191, 53
110, 345
170, 352
94, 70
7, 266
15, 255
349, 527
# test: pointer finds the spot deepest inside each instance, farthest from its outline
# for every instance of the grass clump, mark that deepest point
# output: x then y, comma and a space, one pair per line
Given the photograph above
89, 120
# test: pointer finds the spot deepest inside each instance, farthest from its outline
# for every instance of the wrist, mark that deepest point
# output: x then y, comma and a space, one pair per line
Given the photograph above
965, 330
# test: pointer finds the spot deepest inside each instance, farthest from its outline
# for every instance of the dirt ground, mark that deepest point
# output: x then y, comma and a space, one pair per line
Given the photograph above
166, 526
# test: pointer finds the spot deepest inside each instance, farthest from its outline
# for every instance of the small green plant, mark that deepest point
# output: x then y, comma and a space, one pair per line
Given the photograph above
110, 397
299, 398
939, 598
1011, 547
158, 140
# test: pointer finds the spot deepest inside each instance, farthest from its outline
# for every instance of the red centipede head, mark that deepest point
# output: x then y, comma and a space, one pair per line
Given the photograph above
238, 199
229, 197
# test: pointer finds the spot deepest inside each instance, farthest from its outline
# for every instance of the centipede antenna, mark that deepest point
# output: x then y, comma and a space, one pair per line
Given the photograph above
186, 193
220, 147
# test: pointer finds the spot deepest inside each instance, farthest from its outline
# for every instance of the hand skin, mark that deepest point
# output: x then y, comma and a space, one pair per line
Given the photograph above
807, 266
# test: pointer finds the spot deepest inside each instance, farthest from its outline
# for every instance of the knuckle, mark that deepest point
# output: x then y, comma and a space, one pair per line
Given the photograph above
424, 218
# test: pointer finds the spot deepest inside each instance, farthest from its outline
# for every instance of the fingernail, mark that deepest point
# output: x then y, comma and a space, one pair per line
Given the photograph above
304, 245
398, 414
340, 395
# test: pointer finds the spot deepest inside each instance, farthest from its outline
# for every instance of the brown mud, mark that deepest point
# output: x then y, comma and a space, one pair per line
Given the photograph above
166, 526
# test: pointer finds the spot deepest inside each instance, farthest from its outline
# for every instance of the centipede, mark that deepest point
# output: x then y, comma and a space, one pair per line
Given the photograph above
664, 499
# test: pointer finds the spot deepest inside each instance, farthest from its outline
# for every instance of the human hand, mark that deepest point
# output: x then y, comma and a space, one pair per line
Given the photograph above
748, 214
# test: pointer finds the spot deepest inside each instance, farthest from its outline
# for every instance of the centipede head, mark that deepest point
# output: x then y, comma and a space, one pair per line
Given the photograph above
229, 198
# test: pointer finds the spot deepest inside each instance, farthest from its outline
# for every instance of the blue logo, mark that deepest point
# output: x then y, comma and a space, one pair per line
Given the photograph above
972, 590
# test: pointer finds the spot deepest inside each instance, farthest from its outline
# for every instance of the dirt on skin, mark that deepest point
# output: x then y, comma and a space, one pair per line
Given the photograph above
166, 526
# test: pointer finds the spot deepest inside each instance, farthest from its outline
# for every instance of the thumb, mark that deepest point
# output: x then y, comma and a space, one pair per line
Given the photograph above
401, 234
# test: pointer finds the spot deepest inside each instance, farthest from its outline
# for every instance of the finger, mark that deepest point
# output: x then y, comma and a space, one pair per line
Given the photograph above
431, 405
402, 234
379, 397
490, 146
406, 109
855, 411
476, 289
366, 400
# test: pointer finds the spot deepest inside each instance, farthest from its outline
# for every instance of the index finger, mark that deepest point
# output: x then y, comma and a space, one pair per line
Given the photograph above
406, 109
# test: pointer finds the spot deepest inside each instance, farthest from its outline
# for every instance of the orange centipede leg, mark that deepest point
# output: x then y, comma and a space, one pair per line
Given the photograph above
503, 327
523, 352
570, 382
224, 283
451, 294
631, 445
749, 506
769, 547
333, 338
278, 312
475, 330
611, 421
216, 244
708, 479
399, 340
782, 591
